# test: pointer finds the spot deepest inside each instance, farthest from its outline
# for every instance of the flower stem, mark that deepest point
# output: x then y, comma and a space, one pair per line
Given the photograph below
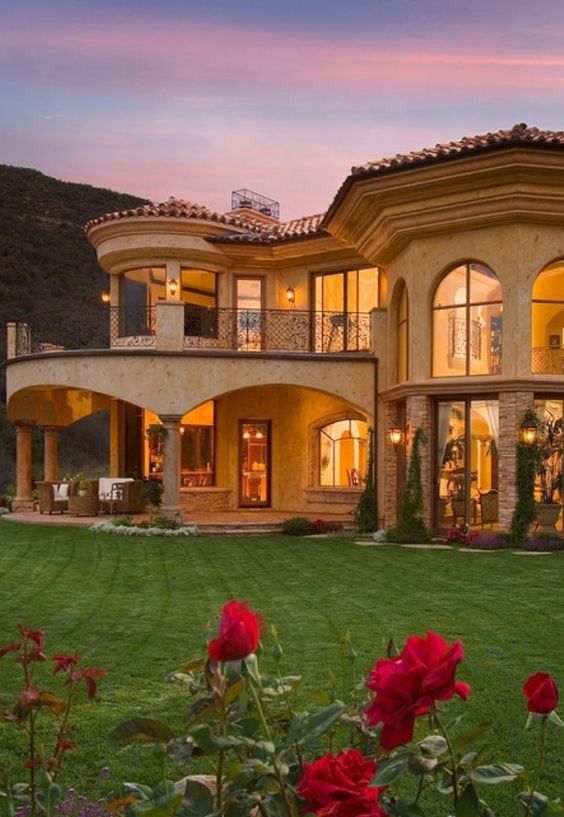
451, 755
540, 767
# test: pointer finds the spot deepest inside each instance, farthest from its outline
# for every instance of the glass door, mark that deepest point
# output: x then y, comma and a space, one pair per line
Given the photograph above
467, 463
249, 326
254, 463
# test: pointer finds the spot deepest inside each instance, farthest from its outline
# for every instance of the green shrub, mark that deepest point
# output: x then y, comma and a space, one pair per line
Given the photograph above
410, 527
124, 521
165, 523
297, 526
152, 493
527, 465
366, 514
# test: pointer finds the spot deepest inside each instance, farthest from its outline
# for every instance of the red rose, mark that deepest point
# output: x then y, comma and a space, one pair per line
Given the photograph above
239, 633
337, 786
409, 684
542, 693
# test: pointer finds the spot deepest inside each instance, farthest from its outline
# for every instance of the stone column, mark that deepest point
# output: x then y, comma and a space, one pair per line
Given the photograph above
171, 507
51, 453
117, 438
512, 407
23, 500
419, 414
391, 467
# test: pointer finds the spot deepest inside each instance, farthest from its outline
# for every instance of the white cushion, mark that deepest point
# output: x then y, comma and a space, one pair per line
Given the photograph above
107, 491
62, 491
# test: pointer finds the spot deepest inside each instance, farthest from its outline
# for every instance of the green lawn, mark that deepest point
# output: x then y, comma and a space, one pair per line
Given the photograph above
138, 606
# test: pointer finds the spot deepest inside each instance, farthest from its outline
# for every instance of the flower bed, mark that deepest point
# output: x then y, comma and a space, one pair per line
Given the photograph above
110, 527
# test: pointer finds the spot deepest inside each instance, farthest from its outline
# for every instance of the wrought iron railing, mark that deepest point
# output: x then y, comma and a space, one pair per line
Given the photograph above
547, 360
244, 330
276, 330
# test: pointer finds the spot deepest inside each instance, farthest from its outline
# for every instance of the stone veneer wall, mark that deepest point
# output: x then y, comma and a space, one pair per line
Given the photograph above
512, 407
208, 501
419, 412
391, 467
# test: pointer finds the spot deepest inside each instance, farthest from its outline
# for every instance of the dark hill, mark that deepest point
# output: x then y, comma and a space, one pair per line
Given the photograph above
47, 268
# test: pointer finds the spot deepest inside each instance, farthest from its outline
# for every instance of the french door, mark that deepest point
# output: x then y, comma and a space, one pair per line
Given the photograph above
466, 462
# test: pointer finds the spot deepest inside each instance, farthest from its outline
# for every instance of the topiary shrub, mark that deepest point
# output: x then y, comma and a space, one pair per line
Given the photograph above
366, 514
410, 527
297, 526
527, 464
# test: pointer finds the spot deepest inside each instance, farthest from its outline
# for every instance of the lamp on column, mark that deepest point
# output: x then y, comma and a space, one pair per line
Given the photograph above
395, 435
105, 297
529, 433
173, 287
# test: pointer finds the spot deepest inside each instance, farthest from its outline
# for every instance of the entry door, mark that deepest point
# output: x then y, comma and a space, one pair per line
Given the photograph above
254, 463
466, 462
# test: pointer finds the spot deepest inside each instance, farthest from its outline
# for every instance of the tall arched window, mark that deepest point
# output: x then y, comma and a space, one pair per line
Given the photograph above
467, 322
342, 453
547, 340
402, 335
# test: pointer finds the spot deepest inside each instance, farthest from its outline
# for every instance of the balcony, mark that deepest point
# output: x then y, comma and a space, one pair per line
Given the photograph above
173, 326
547, 360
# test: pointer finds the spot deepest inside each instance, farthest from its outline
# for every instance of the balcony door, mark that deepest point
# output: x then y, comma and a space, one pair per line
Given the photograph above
254, 463
249, 329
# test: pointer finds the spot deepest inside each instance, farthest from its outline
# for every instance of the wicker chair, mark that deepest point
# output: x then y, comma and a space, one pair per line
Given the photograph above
48, 498
489, 505
124, 497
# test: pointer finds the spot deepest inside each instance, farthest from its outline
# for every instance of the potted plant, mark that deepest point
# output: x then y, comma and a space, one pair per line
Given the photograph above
549, 472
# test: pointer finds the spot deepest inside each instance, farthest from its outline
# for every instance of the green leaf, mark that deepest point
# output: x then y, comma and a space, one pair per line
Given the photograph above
144, 730
201, 709
234, 690
138, 790
433, 746
496, 773
392, 769
420, 765
468, 804
471, 735
196, 665
251, 664
536, 805
305, 728
554, 718
408, 810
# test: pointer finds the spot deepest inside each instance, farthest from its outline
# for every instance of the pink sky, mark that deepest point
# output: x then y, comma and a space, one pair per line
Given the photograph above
164, 101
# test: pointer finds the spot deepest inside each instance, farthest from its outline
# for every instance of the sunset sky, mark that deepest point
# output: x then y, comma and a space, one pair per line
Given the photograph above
195, 99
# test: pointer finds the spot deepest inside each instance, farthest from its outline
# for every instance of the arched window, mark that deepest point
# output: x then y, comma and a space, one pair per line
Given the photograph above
467, 322
547, 341
342, 453
402, 335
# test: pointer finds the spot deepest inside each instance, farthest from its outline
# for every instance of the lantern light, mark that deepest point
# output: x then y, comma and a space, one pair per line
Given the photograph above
105, 297
395, 436
290, 295
173, 286
529, 433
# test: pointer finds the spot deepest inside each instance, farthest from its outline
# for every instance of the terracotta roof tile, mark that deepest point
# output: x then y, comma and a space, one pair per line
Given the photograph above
296, 228
518, 135
178, 208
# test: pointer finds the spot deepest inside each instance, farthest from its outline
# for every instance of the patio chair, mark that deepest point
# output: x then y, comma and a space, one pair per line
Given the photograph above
489, 505
120, 495
53, 497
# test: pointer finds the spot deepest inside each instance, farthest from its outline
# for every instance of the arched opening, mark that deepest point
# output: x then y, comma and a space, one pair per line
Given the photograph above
467, 322
547, 333
343, 452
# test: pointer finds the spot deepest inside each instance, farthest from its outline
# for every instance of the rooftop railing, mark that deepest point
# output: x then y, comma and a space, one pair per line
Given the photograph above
242, 330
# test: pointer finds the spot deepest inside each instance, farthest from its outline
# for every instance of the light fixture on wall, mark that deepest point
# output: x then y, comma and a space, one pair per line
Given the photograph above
105, 297
395, 435
173, 287
529, 433
290, 295
258, 434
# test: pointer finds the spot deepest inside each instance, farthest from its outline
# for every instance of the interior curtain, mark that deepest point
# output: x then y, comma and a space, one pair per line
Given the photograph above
492, 412
443, 425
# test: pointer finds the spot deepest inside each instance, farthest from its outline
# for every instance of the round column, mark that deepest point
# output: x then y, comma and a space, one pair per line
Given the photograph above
171, 507
51, 454
23, 500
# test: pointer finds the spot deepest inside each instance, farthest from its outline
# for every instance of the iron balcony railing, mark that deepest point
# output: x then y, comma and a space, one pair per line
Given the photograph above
244, 330
276, 330
547, 360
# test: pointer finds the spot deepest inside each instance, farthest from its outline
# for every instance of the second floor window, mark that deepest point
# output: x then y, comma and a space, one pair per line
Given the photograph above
341, 303
467, 322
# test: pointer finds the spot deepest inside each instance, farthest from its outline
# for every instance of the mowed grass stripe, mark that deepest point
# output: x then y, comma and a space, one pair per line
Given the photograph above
138, 607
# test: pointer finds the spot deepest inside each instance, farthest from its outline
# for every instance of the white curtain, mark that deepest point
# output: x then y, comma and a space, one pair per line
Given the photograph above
443, 425
492, 413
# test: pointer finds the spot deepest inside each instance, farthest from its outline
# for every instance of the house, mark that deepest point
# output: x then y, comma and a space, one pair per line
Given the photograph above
245, 359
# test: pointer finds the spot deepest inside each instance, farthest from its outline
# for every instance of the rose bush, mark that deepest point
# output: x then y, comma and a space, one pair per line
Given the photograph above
275, 759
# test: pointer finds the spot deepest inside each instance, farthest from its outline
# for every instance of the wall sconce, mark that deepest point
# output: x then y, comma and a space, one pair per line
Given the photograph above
529, 433
290, 295
105, 297
173, 287
395, 436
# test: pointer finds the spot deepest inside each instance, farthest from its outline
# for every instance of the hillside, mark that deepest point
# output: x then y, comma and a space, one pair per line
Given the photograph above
47, 267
